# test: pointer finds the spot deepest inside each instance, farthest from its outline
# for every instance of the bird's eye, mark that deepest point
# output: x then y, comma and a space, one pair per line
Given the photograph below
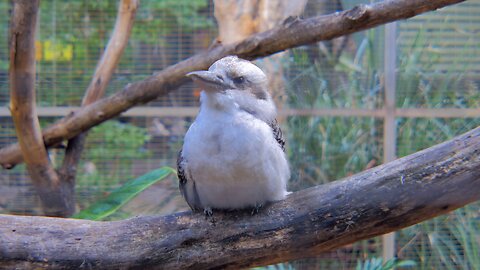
239, 79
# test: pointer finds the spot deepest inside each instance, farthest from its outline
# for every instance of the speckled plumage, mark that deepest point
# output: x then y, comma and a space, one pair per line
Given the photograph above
233, 154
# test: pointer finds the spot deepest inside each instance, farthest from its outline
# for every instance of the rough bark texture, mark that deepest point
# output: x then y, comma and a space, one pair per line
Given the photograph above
383, 199
56, 197
292, 33
105, 68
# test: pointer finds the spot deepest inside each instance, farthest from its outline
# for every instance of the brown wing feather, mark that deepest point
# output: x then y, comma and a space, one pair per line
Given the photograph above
278, 134
181, 169
191, 197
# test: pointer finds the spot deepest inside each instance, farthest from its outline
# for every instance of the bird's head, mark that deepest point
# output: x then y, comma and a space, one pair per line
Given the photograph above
232, 73
232, 82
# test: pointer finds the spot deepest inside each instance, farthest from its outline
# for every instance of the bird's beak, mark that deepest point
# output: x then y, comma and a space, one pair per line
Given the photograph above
208, 80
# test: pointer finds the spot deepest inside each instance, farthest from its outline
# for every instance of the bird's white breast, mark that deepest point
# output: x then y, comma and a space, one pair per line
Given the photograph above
234, 160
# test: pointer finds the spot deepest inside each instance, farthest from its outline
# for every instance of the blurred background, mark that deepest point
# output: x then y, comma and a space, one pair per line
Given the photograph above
331, 97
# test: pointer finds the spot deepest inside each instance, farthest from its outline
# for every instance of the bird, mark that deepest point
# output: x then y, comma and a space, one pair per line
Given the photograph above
233, 155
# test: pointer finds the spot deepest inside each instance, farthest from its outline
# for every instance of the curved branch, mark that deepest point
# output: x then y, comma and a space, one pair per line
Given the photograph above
383, 199
103, 73
113, 52
292, 33
54, 196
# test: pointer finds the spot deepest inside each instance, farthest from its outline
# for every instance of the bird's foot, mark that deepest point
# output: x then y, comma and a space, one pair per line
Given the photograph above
256, 208
209, 214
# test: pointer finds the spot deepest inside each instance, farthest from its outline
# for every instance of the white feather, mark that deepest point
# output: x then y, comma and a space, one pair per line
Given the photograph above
234, 160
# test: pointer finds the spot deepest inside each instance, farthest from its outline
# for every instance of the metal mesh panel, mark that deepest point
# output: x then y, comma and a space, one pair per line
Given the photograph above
438, 68
439, 61
450, 241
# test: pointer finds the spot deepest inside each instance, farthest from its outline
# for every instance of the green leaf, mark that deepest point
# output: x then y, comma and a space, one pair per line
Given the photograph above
120, 196
406, 263
376, 264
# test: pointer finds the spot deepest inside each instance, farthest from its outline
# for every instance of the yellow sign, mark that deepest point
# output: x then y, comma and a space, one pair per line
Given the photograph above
50, 51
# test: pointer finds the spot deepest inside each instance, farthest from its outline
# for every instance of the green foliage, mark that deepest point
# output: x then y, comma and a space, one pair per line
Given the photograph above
328, 148
415, 134
447, 242
322, 149
87, 25
377, 264
115, 136
280, 266
120, 196
171, 15
121, 144
424, 82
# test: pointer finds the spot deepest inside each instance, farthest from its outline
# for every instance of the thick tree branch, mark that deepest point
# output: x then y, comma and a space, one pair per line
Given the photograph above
383, 199
55, 198
105, 68
292, 33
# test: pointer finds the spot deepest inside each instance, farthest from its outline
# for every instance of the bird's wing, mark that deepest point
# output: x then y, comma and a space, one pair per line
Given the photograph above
278, 134
187, 184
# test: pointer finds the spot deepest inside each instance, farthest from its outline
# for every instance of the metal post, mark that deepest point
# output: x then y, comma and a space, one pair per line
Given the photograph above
389, 125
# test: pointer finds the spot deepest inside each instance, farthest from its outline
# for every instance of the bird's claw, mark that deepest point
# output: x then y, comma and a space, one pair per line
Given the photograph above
209, 214
256, 208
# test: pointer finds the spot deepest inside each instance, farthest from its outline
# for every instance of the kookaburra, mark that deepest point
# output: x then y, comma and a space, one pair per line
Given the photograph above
233, 156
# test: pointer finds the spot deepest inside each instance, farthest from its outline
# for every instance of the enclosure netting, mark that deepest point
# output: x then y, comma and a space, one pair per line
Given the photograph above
438, 66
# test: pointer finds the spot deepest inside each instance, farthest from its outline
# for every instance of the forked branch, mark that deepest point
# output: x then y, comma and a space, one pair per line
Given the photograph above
103, 72
56, 197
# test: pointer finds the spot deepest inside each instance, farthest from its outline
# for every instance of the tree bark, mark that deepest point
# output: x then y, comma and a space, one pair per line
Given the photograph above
292, 33
239, 19
103, 73
55, 196
380, 200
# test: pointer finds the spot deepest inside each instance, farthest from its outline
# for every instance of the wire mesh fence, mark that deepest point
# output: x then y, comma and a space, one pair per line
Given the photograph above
332, 109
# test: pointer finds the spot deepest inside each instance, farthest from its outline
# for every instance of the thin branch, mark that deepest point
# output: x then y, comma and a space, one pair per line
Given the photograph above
113, 52
105, 68
55, 198
293, 32
383, 199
